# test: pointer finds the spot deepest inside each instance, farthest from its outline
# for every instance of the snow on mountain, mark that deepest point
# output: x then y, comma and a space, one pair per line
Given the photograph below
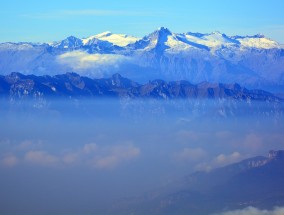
257, 41
121, 40
156, 40
17, 46
254, 61
95, 44
213, 40
70, 42
163, 40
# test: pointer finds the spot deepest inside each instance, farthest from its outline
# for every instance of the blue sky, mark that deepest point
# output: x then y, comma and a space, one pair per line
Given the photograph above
39, 21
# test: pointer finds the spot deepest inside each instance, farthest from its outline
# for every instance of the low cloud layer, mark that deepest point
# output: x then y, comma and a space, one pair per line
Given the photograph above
80, 61
91, 154
220, 161
9, 161
254, 211
115, 155
41, 158
223, 159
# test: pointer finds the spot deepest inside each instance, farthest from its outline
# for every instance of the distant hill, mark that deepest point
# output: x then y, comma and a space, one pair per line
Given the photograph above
84, 95
254, 182
72, 85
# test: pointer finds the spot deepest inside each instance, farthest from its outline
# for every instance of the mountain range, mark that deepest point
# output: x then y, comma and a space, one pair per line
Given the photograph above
256, 181
253, 61
84, 95
72, 85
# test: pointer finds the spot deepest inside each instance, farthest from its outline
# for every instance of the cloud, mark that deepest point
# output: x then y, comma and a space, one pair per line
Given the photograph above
115, 155
79, 60
219, 161
254, 211
41, 158
190, 154
29, 144
90, 154
88, 148
76, 157
9, 161
71, 158
253, 142
223, 159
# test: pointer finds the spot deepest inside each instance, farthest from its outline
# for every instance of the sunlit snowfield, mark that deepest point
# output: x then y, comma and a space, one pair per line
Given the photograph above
82, 157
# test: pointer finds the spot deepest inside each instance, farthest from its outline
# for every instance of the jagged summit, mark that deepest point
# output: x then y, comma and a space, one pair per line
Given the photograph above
254, 61
164, 30
259, 35
69, 42
164, 39
157, 88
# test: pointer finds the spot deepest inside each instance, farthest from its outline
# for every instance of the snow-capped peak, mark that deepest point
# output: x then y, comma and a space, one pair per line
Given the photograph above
104, 34
212, 40
216, 33
121, 40
70, 42
257, 41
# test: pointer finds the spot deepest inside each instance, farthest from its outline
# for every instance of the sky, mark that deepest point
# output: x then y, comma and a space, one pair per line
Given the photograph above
42, 21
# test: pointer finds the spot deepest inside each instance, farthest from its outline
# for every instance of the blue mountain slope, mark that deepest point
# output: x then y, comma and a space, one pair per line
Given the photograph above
253, 61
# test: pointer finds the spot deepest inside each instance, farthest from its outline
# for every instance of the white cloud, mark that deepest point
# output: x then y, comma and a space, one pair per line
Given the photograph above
254, 211
79, 60
219, 161
253, 142
76, 157
89, 154
223, 159
29, 144
115, 155
9, 161
89, 148
71, 158
41, 158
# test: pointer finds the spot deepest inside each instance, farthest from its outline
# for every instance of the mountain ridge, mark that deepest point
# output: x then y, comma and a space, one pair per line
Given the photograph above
18, 85
254, 61
253, 182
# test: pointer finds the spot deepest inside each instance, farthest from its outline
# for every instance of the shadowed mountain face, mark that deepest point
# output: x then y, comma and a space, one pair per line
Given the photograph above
72, 85
254, 182
128, 98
